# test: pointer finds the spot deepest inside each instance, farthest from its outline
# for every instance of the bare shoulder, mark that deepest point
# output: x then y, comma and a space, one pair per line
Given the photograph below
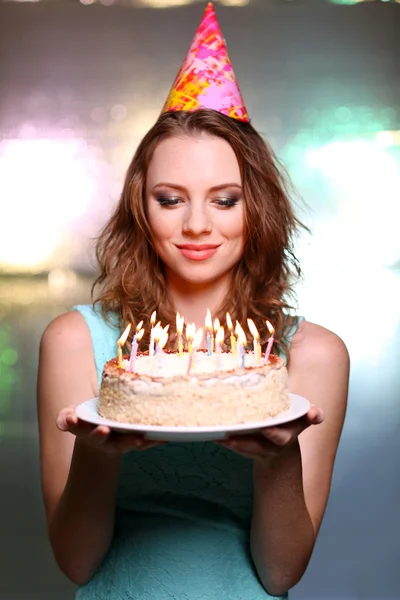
69, 328
65, 348
313, 344
319, 367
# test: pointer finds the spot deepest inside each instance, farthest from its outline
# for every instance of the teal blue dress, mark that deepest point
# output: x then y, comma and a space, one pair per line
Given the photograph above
183, 515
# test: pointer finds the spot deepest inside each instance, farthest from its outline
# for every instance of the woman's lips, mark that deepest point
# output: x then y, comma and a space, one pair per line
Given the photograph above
198, 252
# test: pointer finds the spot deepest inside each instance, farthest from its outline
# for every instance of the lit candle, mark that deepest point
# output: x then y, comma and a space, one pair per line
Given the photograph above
138, 328
219, 338
179, 328
190, 333
156, 338
209, 332
121, 343
152, 321
217, 325
161, 338
242, 343
135, 345
256, 341
197, 337
270, 342
233, 339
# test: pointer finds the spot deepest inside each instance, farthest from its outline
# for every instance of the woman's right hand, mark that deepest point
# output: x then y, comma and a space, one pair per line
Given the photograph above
102, 437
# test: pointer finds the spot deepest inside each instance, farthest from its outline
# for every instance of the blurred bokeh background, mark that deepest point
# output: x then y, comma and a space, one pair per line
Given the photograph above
80, 83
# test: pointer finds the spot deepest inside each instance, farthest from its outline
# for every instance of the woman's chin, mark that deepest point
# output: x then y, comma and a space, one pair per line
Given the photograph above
201, 277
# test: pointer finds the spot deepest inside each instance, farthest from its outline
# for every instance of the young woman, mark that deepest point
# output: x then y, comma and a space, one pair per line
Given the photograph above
204, 221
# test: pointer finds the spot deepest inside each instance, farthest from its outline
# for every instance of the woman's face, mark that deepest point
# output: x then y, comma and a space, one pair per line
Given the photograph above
195, 208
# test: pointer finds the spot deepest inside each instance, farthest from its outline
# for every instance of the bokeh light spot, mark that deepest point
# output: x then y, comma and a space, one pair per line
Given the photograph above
118, 112
343, 114
9, 357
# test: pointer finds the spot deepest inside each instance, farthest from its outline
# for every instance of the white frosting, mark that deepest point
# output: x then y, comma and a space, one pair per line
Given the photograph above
170, 365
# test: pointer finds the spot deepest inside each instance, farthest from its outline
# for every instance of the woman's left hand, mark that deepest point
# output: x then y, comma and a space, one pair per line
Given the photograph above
271, 441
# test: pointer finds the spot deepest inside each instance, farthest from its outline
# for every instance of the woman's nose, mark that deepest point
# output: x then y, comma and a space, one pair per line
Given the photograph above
197, 221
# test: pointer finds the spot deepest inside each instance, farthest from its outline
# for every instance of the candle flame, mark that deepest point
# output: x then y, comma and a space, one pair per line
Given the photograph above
253, 329
163, 337
270, 328
219, 338
197, 338
179, 323
153, 318
208, 321
229, 322
157, 332
124, 336
139, 326
139, 335
166, 328
241, 334
190, 331
217, 325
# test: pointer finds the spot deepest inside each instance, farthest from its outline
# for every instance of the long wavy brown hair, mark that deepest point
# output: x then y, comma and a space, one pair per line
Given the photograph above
132, 276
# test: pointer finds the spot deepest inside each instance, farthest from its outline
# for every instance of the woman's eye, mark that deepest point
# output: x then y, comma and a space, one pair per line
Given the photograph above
167, 200
227, 202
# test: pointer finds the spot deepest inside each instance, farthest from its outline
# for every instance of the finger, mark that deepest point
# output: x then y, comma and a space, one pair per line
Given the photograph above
99, 435
67, 410
281, 437
315, 415
285, 434
250, 445
61, 424
288, 432
64, 423
61, 420
80, 428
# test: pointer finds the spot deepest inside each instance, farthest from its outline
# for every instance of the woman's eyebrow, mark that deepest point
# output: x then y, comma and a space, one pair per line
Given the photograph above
182, 188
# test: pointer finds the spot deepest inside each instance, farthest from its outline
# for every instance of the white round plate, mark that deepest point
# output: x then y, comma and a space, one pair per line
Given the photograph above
87, 411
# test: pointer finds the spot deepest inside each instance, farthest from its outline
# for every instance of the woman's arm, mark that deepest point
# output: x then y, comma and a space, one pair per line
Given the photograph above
291, 490
79, 482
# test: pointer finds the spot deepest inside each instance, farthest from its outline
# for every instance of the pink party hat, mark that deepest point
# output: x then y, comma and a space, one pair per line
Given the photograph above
206, 78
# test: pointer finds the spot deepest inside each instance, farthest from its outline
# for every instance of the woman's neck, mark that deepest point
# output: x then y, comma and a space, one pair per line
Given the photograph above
192, 300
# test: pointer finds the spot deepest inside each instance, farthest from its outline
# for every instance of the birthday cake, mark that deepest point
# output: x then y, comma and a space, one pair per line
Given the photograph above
216, 390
